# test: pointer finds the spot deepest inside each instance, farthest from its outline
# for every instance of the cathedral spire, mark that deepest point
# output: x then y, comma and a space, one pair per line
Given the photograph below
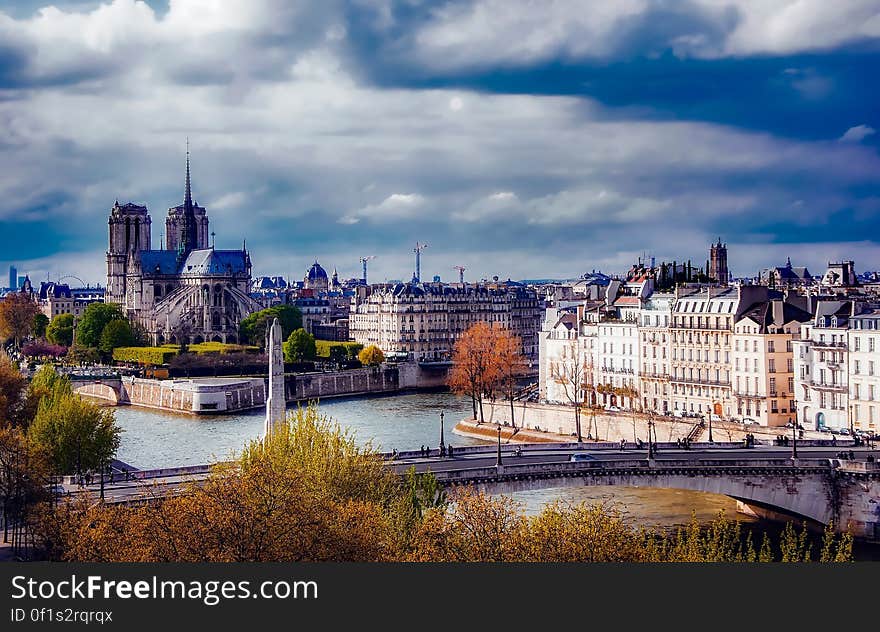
187, 196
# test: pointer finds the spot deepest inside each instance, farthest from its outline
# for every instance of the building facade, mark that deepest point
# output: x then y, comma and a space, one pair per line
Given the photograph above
863, 344
424, 320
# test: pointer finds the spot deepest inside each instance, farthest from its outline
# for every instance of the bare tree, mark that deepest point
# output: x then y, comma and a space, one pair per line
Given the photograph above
571, 374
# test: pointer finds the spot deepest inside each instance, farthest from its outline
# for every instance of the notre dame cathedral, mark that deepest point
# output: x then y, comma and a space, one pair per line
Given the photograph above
188, 291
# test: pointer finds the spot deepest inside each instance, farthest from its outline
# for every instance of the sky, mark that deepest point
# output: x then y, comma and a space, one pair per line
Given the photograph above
516, 138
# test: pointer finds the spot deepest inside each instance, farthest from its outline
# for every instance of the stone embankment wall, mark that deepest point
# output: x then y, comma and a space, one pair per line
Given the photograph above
602, 425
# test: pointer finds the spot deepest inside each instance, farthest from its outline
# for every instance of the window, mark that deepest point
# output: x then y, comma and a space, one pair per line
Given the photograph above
773, 386
773, 406
856, 391
791, 385
789, 365
856, 341
870, 367
855, 367
772, 366
870, 345
771, 347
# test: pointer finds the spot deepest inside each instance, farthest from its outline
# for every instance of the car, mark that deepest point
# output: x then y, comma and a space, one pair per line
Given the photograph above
824, 429
580, 457
679, 413
748, 421
843, 431
714, 417
612, 409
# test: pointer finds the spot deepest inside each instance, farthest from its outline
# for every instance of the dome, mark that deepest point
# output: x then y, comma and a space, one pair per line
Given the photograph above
316, 272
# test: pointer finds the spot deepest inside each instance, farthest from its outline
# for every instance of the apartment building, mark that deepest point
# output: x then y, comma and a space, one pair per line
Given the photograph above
656, 352
424, 320
763, 361
701, 332
863, 345
820, 366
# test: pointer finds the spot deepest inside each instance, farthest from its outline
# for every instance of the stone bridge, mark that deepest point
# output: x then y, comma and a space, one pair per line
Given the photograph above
765, 480
108, 389
824, 491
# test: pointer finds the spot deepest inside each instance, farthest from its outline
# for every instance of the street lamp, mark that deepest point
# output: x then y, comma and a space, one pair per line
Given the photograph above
442, 444
650, 442
793, 439
498, 462
710, 425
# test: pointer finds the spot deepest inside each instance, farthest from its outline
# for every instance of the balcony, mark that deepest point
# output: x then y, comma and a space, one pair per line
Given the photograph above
606, 369
829, 345
656, 376
822, 386
688, 380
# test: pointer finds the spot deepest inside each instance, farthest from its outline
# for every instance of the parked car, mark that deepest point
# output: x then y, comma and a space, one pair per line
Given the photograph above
825, 429
748, 421
680, 414
580, 457
843, 431
714, 417
612, 409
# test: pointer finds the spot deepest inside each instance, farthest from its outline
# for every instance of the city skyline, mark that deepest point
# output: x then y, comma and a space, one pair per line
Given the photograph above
341, 130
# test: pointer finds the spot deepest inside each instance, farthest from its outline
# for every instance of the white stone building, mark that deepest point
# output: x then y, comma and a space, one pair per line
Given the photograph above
820, 367
422, 321
863, 345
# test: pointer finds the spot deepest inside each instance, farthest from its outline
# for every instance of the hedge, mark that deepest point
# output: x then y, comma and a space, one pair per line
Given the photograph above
221, 347
144, 355
352, 349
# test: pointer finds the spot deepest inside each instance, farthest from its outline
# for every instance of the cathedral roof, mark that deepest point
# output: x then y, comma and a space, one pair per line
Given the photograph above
206, 262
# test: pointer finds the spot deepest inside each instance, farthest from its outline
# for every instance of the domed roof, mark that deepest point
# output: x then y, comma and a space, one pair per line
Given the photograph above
316, 272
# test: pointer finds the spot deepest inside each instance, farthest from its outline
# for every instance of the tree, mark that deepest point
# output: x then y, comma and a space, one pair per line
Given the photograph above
95, 317
300, 347
571, 373
116, 333
253, 327
60, 330
80, 355
371, 356
23, 476
77, 435
12, 389
511, 365
475, 368
42, 349
17, 313
41, 321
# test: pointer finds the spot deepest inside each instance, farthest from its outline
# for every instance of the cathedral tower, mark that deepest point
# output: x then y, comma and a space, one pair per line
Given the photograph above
129, 233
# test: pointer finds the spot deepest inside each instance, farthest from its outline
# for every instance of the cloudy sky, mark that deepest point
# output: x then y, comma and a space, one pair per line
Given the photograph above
518, 138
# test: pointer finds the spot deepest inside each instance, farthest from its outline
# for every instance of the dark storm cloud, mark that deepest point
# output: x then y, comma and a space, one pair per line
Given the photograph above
551, 141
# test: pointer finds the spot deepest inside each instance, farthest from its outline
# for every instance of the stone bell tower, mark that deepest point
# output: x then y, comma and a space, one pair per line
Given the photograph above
718, 263
129, 233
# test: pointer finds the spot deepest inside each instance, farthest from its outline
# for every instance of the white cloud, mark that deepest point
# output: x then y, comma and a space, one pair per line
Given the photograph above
395, 206
857, 134
517, 32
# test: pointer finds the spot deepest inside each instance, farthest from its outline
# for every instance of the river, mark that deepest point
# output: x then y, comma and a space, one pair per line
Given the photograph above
158, 439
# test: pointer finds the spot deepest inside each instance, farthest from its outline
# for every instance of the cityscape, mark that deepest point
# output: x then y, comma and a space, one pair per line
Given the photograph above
524, 287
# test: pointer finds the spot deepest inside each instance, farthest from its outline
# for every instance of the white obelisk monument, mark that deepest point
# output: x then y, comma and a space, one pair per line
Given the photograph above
276, 404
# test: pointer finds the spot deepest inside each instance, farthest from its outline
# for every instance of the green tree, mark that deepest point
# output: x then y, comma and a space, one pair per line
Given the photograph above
117, 333
41, 321
60, 330
371, 356
300, 346
17, 312
253, 327
95, 317
75, 434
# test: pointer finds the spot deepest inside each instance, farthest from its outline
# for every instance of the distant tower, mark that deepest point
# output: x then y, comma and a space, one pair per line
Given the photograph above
718, 262
13, 278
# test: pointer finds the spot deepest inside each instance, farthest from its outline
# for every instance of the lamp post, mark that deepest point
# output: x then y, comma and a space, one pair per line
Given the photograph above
793, 439
710, 425
442, 444
498, 462
650, 441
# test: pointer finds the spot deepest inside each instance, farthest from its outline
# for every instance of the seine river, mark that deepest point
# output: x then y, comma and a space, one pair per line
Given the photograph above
158, 439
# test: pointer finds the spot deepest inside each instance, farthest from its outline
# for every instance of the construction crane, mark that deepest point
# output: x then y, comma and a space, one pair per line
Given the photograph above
461, 270
364, 261
418, 250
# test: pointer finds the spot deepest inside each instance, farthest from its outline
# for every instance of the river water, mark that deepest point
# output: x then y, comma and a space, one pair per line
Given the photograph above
158, 439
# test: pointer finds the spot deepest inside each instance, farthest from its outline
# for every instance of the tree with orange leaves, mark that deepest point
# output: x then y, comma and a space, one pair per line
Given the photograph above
475, 369
511, 364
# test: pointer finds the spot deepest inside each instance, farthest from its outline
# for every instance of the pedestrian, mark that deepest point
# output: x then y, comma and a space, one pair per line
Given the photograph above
450, 451
422, 450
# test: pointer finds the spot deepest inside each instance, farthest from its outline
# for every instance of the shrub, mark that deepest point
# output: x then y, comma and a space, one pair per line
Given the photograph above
144, 355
